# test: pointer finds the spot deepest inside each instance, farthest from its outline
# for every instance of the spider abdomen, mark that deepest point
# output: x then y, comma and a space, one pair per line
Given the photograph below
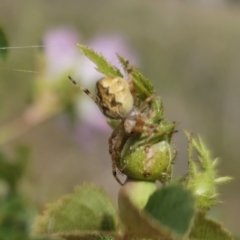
114, 97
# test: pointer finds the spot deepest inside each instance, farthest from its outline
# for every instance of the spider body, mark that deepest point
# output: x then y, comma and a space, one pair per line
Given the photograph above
114, 97
117, 100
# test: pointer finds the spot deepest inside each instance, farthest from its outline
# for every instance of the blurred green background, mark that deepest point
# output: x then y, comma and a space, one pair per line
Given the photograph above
188, 49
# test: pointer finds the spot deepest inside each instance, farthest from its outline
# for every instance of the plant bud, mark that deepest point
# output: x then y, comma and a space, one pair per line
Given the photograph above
145, 162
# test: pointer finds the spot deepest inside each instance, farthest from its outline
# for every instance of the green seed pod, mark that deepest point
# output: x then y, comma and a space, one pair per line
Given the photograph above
145, 162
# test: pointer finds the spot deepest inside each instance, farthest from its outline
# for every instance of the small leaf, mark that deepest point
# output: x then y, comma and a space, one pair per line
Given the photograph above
208, 229
103, 66
173, 207
143, 85
88, 211
3, 45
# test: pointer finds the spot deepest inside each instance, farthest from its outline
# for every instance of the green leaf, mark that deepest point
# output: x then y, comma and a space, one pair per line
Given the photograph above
167, 215
3, 45
173, 207
208, 229
137, 225
103, 66
143, 85
86, 212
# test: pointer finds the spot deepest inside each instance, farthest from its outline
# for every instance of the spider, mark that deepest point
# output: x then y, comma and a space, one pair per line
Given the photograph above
117, 99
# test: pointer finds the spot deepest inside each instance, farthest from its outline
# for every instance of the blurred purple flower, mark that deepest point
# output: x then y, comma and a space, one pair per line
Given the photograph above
60, 51
108, 46
91, 114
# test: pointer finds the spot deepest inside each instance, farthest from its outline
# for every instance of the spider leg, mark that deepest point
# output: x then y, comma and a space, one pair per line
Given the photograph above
156, 105
113, 136
145, 103
84, 90
113, 149
158, 136
118, 147
154, 113
116, 154
142, 126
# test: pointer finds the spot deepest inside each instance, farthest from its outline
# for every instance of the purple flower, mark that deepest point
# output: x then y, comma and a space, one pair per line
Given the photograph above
91, 115
60, 51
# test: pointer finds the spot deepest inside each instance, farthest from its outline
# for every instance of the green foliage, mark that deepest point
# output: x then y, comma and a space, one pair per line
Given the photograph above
202, 174
14, 217
3, 45
102, 65
14, 212
135, 221
173, 207
88, 211
88, 214
174, 211
142, 84
208, 229
12, 170
167, 214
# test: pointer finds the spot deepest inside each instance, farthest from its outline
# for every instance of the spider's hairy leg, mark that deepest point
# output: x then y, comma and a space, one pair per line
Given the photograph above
113, 136
112, 146
139, 125
163, 133
159, 135
145, 103
117, 150
155, 110
118, 146
83, 89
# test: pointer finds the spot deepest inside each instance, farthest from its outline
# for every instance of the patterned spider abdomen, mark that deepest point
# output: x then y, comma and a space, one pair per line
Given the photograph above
114, 97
